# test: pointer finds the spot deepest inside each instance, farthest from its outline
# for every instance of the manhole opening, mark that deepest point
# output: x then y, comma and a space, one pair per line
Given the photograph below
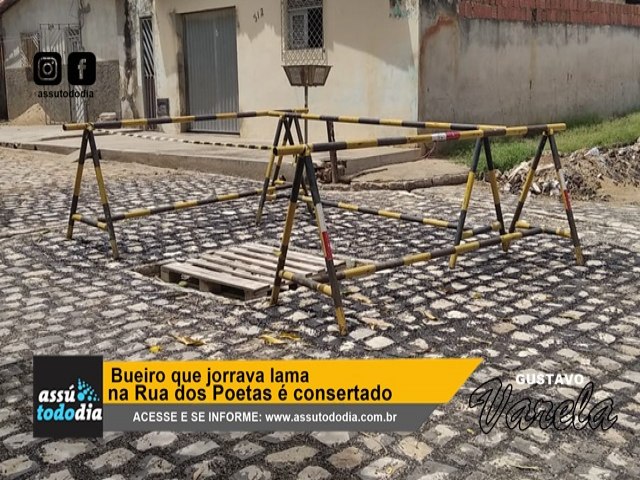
242, 272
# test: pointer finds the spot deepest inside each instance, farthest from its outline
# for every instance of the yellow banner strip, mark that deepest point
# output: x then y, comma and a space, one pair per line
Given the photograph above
390, 381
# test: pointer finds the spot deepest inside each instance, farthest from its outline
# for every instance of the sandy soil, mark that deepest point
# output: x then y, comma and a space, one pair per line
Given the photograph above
610, 175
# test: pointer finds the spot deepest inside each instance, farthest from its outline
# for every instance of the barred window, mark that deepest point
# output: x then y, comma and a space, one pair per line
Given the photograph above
305, 25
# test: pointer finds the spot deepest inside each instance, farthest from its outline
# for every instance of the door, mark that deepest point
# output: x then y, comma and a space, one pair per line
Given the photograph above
148, 68
3, 89
63, 39
211, 67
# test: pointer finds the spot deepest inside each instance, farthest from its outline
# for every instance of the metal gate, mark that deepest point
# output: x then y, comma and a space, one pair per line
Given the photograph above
211, 65
63, 39
148, 68
78, 105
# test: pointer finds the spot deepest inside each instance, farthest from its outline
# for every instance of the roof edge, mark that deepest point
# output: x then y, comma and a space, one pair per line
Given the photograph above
6, 5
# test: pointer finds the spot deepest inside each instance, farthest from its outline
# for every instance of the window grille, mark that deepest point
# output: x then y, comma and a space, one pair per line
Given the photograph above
303, 32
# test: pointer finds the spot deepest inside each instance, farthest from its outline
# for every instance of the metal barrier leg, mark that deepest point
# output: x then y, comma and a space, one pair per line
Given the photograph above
267, 175
566, 197
296, 123
333, 155
495, 190
326, 245
467, 198
288, 140
527, 185
103, 195
78, 184
288, 227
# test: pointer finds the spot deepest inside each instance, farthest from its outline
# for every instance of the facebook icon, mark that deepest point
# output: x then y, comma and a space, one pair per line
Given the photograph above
81, 68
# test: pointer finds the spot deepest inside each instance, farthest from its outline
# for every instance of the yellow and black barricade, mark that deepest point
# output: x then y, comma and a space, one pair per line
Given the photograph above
106, 222
328, 283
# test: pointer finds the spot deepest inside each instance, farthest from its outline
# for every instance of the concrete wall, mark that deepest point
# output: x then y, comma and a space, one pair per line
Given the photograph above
373, 50
3, 85
99, 35
128, 25
527, 62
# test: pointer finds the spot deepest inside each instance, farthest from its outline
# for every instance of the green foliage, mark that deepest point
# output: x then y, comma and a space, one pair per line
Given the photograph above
584, 133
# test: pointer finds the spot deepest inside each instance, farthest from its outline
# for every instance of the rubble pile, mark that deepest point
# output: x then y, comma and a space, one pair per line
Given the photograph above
586, 172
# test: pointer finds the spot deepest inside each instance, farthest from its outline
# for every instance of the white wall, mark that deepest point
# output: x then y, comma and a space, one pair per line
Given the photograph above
98, 32
374, 57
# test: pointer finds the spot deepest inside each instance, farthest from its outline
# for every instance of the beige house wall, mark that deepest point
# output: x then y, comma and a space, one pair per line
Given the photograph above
373, 50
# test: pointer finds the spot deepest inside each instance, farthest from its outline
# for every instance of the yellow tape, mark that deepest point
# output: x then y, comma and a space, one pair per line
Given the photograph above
138, 212
186, 204
360, 271
419, 257
467, 193
388, 214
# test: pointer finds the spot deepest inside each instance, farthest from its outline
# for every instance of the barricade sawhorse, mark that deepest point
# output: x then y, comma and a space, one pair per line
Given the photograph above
106, 222
288, 123
517, 229
271, 174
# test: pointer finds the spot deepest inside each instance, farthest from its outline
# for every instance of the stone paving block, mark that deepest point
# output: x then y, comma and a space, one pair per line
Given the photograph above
291, 455
196, 449
314, 473
331, 438
154, 465
155, 440
209, 468
440, 435
245, 450
413, 448
110, 460
385, 468
347, 459
252, 472
433, 471
21, 440
376, 442
61, 475
57, 452
592, 472
17, 467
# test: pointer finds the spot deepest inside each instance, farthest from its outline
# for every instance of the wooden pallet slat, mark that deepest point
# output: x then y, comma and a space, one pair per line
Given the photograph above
292, 254
244, 271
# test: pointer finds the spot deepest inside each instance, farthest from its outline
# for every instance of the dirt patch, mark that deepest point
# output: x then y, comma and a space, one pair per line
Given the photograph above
591, 174
34, 115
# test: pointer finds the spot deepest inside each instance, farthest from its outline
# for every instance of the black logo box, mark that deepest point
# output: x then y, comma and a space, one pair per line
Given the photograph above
59, 373
81, 68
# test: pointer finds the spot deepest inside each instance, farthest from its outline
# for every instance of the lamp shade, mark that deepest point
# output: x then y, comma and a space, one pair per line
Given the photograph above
307, 75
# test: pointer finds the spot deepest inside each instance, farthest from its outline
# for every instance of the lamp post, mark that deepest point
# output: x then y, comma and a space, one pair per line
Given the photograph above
307, 76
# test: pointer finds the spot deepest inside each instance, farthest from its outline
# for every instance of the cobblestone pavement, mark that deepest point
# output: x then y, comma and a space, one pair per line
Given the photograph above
529, 310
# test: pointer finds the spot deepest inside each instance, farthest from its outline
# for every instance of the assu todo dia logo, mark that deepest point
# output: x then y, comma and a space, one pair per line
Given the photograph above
67, 396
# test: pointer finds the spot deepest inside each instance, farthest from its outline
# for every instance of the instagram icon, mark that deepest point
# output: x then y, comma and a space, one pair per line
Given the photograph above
47, 68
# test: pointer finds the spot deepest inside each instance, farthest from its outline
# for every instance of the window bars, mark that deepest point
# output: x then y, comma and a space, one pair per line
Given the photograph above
303, 32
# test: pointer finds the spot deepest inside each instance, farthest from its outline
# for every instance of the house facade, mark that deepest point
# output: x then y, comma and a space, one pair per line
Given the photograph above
487, 61
372, 50
61, 26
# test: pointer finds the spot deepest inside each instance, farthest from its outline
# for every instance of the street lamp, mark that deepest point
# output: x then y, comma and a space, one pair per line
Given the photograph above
307, 76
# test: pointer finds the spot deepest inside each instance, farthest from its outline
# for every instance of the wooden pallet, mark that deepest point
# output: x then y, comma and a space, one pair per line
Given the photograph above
245, 271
